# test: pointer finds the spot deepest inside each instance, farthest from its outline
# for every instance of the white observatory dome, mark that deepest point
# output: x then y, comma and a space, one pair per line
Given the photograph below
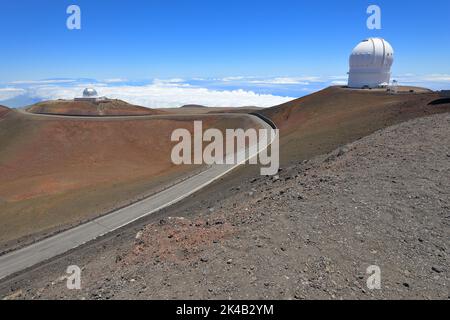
89, 93
370, 64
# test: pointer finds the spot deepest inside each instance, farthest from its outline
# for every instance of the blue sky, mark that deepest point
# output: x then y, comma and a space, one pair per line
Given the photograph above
217, 45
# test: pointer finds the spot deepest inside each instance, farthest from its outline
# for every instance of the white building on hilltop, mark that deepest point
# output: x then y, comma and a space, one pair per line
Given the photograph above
370, 64
91, 95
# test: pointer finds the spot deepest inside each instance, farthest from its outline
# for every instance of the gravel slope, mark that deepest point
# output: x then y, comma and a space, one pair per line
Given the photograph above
309, 233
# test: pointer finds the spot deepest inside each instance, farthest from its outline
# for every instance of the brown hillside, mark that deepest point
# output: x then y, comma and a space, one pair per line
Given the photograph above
56, 172
192, 109
3, 110
320, 122
84, 108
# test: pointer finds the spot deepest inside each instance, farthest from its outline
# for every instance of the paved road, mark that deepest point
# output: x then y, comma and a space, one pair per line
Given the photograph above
168, 116
58, 244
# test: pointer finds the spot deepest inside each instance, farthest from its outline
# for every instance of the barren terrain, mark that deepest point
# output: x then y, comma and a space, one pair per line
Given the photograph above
317, 123
56, 172
3, 111
107, 107
309, 233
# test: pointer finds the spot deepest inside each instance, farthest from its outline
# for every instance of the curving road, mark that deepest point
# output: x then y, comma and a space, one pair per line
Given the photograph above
58, 244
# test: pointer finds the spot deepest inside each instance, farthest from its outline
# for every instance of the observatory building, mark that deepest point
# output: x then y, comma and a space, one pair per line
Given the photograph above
370, 64
91, 95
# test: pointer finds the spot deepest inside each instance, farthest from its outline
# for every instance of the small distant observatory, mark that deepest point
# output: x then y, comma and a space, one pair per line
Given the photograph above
90, 95
370, 64
393, 88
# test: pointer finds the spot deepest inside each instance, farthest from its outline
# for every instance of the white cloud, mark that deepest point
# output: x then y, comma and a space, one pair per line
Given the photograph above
169, 81
341, 77
39, 82
9, 93
229, 79
211, 92
288, 80
115, 80
339, 82
437, 78
166, 93
412, 78
175, 82
431, 81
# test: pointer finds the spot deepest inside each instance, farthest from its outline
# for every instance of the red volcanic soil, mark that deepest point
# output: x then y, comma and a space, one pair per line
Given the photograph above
85, 108
197, 109
3, 110
56, 172
320, 122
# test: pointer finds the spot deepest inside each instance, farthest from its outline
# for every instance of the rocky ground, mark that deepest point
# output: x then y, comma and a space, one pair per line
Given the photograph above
308, 233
